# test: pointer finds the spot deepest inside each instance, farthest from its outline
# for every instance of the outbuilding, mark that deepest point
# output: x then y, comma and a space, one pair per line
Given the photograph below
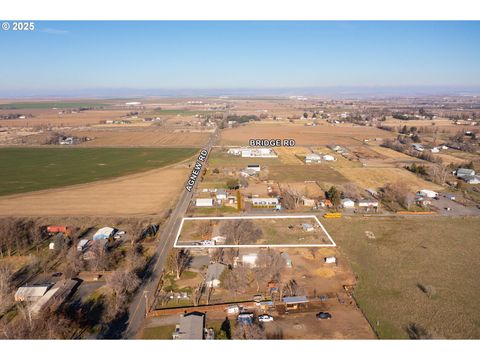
104, 233
204, 202
348, 203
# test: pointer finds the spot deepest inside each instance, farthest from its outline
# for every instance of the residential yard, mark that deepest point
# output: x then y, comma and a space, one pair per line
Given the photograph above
274, 231
436, 254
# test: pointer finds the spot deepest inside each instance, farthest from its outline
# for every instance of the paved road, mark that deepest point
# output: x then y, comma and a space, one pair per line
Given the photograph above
137, 309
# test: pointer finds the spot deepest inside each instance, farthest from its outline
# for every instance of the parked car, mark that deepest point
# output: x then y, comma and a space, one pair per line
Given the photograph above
324, 316
265, 318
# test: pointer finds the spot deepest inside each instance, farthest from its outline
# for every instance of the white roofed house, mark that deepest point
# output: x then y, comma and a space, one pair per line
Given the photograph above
313, 158
347, 203
328, 157
461, 172
265, 202
31, 293
204, 202
368, 204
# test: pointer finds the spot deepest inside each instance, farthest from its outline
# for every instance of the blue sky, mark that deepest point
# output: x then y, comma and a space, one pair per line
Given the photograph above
62, 56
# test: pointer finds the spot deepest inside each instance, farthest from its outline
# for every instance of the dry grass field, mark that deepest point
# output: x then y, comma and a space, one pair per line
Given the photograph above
310, 189
318, 172
406, 255
292, 155
325, 134
151, 192
50, 117
150, 137
375, 178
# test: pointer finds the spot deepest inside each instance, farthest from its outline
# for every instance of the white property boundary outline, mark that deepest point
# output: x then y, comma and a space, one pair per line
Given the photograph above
332, 243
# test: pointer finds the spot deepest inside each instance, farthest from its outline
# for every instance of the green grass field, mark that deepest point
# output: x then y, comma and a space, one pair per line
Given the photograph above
31, 169
408, 254
49, 105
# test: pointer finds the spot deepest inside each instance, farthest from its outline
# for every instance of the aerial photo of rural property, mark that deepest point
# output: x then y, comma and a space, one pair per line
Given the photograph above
240, 180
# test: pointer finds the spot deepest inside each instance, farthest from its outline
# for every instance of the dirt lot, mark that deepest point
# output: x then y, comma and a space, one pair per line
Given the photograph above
325, 134
151, 192
406, 255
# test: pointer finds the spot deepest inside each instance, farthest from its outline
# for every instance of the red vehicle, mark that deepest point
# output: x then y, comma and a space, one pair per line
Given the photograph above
53, 229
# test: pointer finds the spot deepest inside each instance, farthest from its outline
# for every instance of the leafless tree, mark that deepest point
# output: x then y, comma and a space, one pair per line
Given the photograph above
269, 266
439, 174
73, 263
178, 261
350, 191
252, 331
291, 288
240, 231
5, 286
136, 230
292, 197
122, 284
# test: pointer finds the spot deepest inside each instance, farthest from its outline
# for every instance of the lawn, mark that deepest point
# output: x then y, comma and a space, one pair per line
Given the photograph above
158, 333
409, 254
31, 169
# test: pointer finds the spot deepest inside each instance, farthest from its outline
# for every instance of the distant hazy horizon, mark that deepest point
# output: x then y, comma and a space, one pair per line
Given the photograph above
330, 92
122, 58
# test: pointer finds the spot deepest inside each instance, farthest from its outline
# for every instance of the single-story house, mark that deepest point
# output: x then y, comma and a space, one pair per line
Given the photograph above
367, 203
31, 293
348, 203
461, 172
190, 327
427, 193
328, 158
313, 158
104, 233
221, 194
265, 202
294, 302
214, 272
204, 202
435, 150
